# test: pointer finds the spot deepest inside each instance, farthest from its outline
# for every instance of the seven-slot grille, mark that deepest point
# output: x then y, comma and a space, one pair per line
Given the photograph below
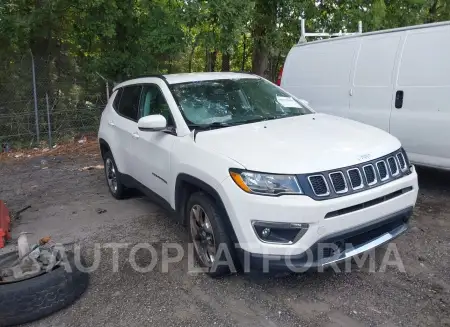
355, 178
382, 170
369, 173
352, 179
338, 181
401, 161
319, 185
393, 166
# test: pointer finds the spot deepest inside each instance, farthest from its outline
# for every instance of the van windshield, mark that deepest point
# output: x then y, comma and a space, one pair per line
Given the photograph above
227, 102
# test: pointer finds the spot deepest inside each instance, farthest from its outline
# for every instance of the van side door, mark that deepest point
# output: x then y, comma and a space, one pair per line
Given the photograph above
320, 74
421, 100
373, 79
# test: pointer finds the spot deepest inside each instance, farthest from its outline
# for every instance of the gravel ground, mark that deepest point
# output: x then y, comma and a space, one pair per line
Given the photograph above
65, 201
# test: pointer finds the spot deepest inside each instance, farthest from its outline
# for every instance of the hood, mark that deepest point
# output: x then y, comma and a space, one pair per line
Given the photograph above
302, 144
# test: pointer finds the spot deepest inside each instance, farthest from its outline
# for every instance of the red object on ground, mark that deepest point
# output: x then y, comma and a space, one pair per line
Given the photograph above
5, 224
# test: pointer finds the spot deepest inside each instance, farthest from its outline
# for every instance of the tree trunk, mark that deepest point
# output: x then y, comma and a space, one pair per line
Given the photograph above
260, 58
191, 54
264, 21
432, 12
207, 60
244, 57
191, 57
275, 68
226, 62
213, 59
170, 66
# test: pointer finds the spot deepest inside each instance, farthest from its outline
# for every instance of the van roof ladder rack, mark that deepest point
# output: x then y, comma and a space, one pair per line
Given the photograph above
303, 33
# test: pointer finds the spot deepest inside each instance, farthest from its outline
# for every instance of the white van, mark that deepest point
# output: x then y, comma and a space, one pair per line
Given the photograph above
397, 80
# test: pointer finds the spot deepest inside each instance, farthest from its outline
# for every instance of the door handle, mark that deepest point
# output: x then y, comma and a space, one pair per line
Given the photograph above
135, 135
111, 123
399, 99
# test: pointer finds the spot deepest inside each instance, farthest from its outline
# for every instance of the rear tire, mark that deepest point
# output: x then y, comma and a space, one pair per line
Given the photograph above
212, 246
35, 298
113, 177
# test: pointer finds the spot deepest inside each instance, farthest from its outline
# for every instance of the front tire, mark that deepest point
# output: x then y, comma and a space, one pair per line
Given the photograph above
113, 180
212, 246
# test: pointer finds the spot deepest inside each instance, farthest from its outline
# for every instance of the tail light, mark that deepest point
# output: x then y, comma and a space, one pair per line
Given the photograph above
280, 74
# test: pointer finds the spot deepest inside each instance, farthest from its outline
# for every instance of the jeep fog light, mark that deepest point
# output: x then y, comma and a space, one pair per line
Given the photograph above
282, 233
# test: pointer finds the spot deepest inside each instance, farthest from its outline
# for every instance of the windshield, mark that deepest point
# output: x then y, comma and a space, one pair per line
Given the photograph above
230, 102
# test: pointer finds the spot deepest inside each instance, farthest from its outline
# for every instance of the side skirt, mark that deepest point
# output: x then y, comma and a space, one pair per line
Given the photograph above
132, 183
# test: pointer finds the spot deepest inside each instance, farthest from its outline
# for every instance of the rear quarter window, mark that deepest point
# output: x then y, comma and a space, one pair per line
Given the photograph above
116, 101
129, 102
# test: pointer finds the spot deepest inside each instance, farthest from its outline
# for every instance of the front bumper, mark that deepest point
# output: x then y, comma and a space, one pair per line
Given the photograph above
333, 249
243, 208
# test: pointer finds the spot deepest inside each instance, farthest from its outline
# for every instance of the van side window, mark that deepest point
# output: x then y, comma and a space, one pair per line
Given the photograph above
153, 102
129, 102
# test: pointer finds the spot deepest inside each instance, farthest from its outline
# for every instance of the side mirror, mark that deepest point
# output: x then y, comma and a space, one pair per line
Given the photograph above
152, 123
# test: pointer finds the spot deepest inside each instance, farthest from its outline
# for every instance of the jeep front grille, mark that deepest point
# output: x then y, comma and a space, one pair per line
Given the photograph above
349, 180
319, 185
338, 182
393, 168
355, 178
401, 161
382, 170
370, 175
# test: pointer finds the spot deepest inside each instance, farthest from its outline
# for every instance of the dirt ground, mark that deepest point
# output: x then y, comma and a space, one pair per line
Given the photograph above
65, 200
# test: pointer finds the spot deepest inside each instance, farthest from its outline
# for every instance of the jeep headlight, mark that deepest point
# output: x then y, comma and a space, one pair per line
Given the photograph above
265, 184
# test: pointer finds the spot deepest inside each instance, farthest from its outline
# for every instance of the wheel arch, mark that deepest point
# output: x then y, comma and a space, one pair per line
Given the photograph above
186, 185
104, 147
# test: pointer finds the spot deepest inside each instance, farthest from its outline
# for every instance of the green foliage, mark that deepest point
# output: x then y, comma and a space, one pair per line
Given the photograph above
72, 41
124, 38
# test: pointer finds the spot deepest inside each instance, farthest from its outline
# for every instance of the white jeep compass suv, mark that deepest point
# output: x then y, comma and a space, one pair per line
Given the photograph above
247, 165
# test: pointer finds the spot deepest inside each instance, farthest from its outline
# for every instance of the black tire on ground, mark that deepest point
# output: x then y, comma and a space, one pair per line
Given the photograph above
31, 299
216, 217
120, 192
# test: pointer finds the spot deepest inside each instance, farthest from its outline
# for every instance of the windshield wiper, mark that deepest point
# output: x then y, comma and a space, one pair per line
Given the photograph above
260, 119
207, 127
216, 124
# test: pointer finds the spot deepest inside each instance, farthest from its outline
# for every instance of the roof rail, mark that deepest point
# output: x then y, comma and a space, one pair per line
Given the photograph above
303, 33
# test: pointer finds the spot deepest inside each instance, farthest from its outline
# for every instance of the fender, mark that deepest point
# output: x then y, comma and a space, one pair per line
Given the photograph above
186, 184
103, 146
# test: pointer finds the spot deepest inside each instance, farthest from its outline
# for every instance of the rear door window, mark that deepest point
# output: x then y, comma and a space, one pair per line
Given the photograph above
129, 102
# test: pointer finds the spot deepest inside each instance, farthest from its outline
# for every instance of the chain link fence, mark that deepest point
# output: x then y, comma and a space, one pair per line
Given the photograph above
42, 103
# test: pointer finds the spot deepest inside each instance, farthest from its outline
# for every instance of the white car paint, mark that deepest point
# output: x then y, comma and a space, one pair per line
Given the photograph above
294, 138
303, 144
358, 77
